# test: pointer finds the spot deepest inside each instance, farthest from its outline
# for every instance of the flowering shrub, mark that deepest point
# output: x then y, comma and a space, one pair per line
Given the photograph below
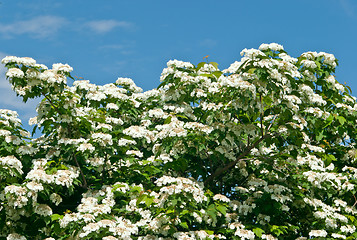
262, 150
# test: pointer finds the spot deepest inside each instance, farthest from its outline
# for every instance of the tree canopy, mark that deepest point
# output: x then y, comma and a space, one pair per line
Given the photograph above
264, 149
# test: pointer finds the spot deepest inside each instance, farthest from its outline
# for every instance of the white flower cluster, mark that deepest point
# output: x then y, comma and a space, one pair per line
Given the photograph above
19, 60
61, 177
129, 83
181, 185
11, 162
240, 231
272, 46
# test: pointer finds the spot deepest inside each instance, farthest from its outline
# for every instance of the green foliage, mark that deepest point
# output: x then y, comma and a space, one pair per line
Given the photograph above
262, 150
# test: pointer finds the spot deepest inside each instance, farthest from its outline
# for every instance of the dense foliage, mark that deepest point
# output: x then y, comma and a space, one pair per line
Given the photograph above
262, 150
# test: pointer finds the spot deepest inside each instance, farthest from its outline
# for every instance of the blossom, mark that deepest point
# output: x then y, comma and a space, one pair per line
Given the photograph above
55, 198
86, 146
336, 235
52, 77
15, 236
221, 197
62, 67
15, 72
102, 138
317, 233
272, 46
10, 162
19, 60
43, 209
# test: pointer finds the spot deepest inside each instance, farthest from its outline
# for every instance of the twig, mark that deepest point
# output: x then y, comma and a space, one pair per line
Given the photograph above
54, 106
355, 201
272, 122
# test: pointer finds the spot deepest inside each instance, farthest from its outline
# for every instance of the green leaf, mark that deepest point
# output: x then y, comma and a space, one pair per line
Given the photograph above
149, 201
200, 65
319, 135
214, 64
167, 120
258, 231
55, 217
217, 74
34, 130
184, 225
210, 232
222, 209
341, 119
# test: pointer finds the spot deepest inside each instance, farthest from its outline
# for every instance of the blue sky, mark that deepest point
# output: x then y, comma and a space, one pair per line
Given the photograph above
104, 40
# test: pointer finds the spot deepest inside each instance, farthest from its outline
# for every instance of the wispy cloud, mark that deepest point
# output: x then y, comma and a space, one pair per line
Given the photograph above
37, 27
104, 26
48, 26
113, 46
208, 42
125, 48
9, 100
348, 7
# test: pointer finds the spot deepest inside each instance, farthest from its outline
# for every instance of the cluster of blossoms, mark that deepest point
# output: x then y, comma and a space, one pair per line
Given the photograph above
264, 149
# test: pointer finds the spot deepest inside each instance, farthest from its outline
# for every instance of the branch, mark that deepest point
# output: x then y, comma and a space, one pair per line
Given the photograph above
271, 124
84, 185
219, 171
54, 106
355, 201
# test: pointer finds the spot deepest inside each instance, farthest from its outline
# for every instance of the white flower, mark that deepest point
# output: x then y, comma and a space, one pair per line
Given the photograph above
179, 64
125, 142
134, 152
43, 210
272, 46
221, 197
55, 198
14, 72
4, 132
269, 237
112, 106
102, 138
125, 82
335, 235
19, 60
34, 186
10, 162
309, 64
96, 96
86, 146
33, 121
62, 67
15, 236
109, 238
317, 233
51, 77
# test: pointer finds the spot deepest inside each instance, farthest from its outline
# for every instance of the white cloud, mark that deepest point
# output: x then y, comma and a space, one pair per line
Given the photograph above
104, 26
37, 27
9, 100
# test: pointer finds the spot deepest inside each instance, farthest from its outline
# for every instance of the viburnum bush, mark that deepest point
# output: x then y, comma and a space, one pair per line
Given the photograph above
265, 149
